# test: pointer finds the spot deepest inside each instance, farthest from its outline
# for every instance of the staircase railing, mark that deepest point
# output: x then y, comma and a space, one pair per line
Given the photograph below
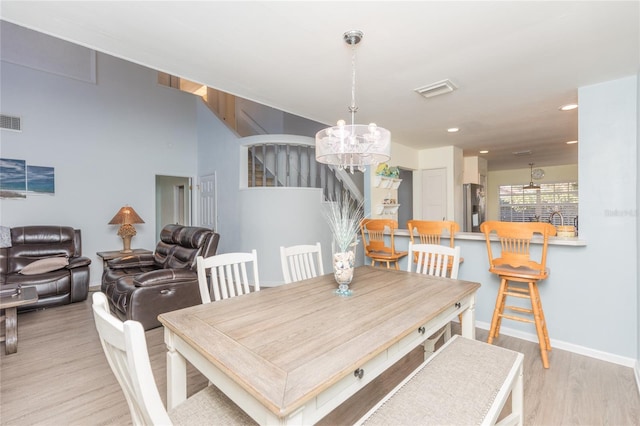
289, 161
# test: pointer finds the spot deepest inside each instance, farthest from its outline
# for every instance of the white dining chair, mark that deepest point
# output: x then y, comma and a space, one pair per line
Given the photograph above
125, 347
225, 275
301, 262
440, 261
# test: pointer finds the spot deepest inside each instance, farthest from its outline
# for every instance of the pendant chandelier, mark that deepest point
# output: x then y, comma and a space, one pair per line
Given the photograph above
353, 146
531, 184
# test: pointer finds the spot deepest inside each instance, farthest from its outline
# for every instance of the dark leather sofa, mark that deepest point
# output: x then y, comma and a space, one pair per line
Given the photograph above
26, 263
140, 287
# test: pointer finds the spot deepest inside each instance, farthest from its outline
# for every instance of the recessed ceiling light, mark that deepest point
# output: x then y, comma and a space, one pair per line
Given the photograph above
484, 152
571, 142
453, 129
568, 107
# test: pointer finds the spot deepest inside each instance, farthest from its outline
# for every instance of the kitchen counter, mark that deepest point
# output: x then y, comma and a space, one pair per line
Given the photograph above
478, 236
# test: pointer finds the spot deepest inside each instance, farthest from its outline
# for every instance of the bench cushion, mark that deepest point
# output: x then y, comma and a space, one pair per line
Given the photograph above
457, 386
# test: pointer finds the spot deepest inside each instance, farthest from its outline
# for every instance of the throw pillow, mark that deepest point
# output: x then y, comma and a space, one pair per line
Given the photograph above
45, 265
5, 236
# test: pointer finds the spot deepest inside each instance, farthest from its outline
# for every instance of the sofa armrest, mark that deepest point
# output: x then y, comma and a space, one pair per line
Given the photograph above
78, 262
164, 276
132, 261
79, 270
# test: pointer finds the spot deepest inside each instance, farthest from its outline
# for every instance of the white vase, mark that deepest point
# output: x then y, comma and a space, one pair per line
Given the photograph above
344, 263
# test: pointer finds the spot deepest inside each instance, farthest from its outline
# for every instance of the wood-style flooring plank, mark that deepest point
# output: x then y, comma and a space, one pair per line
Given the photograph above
59, 376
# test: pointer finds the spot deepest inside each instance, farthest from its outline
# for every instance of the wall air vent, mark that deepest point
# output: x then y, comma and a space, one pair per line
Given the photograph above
8, 122
435, 89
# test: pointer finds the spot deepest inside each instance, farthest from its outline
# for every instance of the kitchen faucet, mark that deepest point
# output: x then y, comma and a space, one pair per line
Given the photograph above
556, 213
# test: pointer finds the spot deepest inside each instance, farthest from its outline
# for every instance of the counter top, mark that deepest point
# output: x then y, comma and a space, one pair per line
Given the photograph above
471, 236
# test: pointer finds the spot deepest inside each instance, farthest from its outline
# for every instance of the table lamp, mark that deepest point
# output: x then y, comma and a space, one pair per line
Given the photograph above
126, 217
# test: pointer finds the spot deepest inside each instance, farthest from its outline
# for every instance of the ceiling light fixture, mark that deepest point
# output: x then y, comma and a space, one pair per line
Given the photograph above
453, 129
484, 151
571, 142
531, 184
350, 146
568, 107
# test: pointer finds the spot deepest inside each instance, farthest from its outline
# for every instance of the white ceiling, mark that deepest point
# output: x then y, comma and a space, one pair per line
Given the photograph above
514, 63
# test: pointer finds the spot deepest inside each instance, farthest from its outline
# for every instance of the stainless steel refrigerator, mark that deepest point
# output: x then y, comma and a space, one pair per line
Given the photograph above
473, 204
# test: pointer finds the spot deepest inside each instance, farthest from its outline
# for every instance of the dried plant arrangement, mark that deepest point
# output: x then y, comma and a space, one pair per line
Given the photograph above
344, 219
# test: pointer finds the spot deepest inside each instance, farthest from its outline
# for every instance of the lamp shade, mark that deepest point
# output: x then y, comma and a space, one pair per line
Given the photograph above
126, 215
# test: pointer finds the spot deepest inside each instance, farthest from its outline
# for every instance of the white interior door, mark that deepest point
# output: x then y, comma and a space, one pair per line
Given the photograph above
434, 194
208, 202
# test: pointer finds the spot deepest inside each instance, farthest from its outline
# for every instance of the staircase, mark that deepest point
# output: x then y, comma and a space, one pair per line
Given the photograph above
272, 162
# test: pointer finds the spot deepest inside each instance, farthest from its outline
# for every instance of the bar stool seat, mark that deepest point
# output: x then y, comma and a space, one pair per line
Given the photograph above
519, 275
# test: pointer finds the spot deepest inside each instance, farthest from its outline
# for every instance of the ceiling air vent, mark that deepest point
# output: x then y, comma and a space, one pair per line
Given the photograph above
522, 153
8, 122
435, 89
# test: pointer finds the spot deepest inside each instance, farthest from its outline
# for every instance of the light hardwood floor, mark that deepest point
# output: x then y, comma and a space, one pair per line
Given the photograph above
59, 376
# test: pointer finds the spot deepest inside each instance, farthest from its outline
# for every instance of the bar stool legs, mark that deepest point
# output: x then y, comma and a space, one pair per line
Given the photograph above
541, 323
509, 287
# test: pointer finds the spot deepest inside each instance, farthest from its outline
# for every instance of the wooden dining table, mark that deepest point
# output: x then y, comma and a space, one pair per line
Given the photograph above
293, 353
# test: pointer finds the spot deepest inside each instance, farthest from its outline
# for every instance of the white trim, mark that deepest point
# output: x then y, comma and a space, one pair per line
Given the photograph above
637, 371
570, 347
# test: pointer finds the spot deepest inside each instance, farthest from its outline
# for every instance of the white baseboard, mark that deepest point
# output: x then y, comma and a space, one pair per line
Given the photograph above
637, 371
581, 350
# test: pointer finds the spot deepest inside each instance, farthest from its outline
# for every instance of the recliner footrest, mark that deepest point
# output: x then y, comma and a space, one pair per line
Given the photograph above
465, 382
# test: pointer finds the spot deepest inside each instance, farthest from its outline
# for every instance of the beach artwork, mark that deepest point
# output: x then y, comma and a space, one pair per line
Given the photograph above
40, 180
17, 179
13, 178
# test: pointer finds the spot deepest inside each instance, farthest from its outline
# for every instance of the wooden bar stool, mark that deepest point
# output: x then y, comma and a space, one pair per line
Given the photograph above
373, 241
519, 275
432, 231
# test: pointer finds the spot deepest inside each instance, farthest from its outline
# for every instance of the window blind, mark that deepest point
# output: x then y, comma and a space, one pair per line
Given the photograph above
536, 205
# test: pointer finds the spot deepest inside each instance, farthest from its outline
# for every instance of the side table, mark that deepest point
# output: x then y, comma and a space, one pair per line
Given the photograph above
9, 303
108, 255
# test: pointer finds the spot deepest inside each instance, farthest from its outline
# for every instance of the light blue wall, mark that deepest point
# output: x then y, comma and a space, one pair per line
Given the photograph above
218, 152
605, 307
106, 141
281, 217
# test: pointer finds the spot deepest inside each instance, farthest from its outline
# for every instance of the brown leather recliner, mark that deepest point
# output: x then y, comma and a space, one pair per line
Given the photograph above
56, 284
140, 287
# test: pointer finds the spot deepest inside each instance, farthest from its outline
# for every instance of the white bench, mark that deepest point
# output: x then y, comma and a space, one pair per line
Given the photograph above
466, 382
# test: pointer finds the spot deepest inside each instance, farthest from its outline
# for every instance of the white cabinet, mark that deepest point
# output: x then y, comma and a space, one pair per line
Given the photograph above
475, 170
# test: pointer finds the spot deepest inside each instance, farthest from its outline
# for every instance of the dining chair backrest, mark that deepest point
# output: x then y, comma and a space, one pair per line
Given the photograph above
434, 259
227, 275
431, 231
125, 347
515, 240
301, 262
